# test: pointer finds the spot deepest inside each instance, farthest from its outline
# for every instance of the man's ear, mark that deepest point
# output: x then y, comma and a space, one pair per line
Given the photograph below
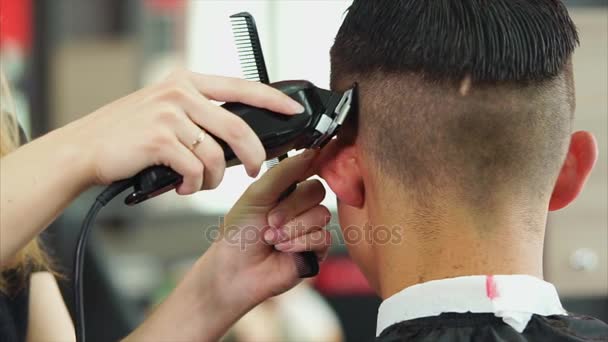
581, 158
339, 167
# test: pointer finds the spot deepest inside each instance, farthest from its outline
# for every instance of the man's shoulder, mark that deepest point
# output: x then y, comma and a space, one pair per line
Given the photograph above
487, 327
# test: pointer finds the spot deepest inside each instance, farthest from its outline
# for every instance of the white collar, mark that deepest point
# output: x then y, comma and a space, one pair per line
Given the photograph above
514, 298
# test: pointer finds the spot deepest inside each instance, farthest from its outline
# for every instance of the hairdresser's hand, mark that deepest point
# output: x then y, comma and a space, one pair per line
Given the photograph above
157, 126
259, 233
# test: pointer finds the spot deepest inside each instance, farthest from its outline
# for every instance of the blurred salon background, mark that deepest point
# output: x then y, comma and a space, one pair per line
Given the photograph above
66, 58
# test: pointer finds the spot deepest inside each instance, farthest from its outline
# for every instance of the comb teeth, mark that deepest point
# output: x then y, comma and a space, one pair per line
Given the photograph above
307, 264
272, 163
254, 69
249, 48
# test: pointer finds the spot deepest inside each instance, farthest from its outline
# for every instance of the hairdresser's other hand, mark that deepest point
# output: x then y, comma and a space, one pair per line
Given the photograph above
157, 126
259, 233
250, 260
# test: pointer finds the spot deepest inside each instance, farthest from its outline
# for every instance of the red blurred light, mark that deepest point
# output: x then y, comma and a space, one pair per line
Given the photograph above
341, 277
16, 23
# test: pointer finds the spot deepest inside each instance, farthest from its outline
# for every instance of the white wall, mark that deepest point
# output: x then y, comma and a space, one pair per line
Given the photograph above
584, 224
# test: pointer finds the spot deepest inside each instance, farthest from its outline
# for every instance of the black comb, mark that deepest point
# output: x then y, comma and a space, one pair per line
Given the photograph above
253, 65
247, 42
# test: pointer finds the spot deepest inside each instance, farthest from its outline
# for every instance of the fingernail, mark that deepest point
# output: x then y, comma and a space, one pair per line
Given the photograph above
253, 173
284, 247
282, 235
296, 108
270, 236
276, 219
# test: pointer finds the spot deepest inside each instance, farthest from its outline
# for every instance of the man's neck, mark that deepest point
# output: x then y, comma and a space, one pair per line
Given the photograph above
456, 245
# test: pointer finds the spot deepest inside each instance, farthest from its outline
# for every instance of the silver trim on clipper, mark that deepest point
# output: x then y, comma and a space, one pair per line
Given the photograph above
327, 125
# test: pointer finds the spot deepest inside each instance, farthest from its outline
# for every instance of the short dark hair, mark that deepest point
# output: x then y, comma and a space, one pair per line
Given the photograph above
476, 93
492, 40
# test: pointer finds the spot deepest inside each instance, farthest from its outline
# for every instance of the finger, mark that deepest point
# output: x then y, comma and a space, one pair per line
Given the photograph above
228, 127
182, 161
213, 158
308, 194
208, 151
310, 221
230, 89
268, 189
318, 242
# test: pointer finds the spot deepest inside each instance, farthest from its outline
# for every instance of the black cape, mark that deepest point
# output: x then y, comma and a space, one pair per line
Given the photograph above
454, 327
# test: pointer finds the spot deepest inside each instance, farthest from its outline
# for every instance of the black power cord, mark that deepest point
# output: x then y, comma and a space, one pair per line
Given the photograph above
104, 198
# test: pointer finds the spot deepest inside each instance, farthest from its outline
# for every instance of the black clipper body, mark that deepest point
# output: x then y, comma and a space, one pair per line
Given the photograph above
324, 113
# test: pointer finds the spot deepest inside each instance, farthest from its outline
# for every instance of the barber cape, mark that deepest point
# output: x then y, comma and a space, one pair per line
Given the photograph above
483, 308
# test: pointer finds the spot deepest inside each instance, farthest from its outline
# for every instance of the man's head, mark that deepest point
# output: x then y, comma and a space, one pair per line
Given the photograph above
465, 108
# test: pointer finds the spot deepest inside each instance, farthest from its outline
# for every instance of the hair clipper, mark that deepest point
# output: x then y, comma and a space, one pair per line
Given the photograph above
325, 111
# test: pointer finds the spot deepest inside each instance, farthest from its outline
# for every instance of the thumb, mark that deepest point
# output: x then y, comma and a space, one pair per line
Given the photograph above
268, 189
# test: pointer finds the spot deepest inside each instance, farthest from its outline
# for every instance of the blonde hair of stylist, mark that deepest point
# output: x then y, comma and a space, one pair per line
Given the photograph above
158, 125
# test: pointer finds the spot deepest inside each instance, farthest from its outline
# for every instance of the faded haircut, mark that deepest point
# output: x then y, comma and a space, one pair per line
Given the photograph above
471, 94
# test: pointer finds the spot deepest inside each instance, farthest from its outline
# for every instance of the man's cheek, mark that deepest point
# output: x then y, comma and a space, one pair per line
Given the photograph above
352, 235
360, 252
358, 244
357, 235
